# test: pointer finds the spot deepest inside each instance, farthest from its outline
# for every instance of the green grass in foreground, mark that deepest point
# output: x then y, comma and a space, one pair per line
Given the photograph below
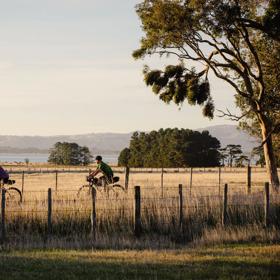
228, 262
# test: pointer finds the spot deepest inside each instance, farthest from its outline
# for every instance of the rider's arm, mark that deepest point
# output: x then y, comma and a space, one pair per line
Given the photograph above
94, 173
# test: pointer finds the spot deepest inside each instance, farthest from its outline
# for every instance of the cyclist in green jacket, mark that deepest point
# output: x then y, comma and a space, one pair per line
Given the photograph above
105, 169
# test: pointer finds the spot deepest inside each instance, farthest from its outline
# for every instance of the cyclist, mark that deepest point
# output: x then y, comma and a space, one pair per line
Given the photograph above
4, 176
106, 171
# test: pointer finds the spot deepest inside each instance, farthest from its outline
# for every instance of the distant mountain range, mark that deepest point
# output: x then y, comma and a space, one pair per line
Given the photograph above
112, 143
230, 134
109, 143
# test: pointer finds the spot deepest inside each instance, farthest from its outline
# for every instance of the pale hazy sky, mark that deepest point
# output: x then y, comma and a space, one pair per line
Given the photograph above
66, 68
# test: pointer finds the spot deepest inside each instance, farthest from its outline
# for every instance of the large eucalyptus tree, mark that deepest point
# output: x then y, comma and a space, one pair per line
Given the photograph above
221, 36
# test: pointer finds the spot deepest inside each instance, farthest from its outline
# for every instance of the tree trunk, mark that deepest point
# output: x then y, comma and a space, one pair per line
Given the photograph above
271, 166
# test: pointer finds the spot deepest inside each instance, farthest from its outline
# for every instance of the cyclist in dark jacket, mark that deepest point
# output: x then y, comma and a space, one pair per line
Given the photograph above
105, 169
4, 176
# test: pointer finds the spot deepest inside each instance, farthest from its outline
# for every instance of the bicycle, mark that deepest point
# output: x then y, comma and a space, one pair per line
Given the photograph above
102, 185
13, 193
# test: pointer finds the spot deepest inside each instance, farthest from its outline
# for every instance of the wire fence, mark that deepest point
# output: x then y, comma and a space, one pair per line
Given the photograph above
195, 180
139, 209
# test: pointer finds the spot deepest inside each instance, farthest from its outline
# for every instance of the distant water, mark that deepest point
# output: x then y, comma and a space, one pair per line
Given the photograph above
41, 158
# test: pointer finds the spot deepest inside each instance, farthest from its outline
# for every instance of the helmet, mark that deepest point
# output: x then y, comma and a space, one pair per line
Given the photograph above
98, 158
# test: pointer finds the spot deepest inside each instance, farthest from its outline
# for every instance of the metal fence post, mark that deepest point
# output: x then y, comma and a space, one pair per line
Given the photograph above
225, 205
266, 205
93, 214
137, 214
3, 208
49, 211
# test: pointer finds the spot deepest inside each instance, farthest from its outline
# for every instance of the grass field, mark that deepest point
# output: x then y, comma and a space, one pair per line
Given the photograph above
201, 181
164, 251
227, 262
26, 222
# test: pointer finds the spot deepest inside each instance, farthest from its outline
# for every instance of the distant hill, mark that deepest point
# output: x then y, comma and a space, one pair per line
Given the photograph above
230, 134
111, 143
97, 142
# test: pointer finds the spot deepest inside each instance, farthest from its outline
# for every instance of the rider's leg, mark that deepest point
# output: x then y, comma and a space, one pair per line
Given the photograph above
102, 182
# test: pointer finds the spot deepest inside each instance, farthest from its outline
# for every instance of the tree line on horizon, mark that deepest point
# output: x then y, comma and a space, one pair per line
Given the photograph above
171, 148
180, 148
163, 148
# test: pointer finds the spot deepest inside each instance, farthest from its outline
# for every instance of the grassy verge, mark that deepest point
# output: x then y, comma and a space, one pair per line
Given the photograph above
226, 262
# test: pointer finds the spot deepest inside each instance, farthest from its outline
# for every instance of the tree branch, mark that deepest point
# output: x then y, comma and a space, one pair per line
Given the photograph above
231, 116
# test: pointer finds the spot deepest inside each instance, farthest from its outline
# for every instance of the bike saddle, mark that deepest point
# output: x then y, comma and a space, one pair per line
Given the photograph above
11, 182
116, 179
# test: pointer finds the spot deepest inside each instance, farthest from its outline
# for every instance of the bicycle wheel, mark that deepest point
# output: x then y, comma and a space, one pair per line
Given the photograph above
84, 187
14, 194
118, 189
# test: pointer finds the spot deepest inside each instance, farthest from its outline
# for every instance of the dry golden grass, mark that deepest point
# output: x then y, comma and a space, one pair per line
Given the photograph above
201, 180
201, 209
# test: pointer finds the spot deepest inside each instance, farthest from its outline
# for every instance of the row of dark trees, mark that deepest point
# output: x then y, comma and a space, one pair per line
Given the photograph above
64, 153
232, 155
163, 148
171, 148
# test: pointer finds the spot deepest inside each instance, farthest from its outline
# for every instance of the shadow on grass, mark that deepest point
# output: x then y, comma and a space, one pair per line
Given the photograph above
40, 267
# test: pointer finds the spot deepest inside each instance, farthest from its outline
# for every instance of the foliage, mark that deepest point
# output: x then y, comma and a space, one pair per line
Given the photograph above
241, 161
258, 152
233, 154
69, 154
124, 157
219, 34
173, 148
176, 84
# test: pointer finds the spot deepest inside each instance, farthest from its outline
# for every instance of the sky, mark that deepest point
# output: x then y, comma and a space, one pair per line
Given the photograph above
66, 68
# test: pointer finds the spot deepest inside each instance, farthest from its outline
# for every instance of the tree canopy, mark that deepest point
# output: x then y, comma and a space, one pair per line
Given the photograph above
233, 154
124, 157
69, 154
173, 148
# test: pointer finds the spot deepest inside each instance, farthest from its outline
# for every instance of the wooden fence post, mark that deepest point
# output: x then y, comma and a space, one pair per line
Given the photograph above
225, 204
191, 178
22, 183
220, 173
137, 214
249, 179
180, 206
266, 205
93, 214
161, 181
49, 211
126, 182
3, 208
56, 180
